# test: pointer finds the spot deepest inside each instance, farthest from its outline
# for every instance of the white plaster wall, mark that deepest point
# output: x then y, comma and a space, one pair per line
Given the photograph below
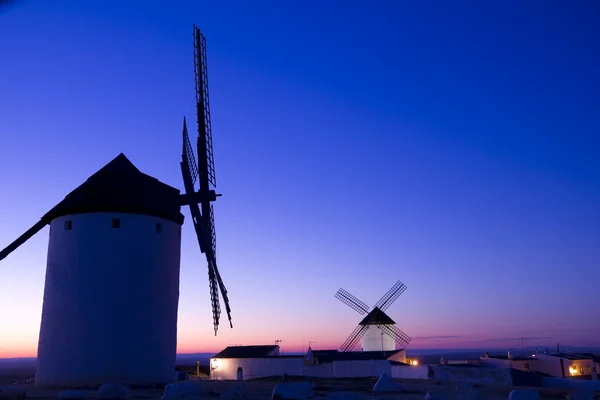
295, 366
409, 371
379, 367
399, 356
351, 369
550, 365
520, 365
318, 370
110, 301
376, 340
494, 362
256, 367
515, 364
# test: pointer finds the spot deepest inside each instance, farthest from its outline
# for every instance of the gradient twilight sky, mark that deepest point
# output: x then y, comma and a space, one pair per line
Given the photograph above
450, 145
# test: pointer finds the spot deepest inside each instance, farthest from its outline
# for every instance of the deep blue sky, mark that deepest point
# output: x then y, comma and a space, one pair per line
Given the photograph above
451, 145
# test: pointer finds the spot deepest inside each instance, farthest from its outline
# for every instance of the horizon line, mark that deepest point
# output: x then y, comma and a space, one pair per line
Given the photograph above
441, 350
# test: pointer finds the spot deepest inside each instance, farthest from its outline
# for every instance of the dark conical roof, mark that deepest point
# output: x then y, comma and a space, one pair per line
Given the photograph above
377, 317
120, 187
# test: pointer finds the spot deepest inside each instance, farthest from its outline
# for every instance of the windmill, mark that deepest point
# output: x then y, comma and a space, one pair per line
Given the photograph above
111, 291
377, 331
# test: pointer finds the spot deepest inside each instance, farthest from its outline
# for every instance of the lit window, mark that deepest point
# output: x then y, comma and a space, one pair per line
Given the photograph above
116, 222
573, 370
68, 225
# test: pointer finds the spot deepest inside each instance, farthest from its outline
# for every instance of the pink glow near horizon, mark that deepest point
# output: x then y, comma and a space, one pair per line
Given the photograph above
190, 343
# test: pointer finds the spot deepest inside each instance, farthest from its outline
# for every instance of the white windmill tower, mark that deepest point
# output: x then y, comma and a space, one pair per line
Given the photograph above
377, 331
112, 277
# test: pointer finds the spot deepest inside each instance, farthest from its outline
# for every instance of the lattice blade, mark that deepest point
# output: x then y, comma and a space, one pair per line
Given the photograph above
224, 294
212, 234
354, 337
206, 161
391, 296
352, 302
187, 154
214, 295
214, 262
392, 331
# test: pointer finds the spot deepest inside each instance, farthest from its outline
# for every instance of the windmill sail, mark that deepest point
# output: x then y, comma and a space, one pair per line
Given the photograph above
352, 302
23, 238
391, 296
204, 172
354, 337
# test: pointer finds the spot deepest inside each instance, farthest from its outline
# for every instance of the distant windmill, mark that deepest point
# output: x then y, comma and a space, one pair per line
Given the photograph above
377, 331
112, 276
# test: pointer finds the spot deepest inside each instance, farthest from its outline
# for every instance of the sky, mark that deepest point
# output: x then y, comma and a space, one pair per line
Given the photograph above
449, 145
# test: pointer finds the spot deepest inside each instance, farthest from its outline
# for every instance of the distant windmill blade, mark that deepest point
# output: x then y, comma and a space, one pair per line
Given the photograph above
352, 302
23, 238
354, 337
391, 296
392, 331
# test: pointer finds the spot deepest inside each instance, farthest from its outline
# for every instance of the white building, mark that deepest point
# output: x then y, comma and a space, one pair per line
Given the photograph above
560, 365
527, 364
112, 281
249, 362
566, 365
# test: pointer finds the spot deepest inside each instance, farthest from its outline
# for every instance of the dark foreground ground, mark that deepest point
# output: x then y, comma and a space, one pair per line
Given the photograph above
262, 389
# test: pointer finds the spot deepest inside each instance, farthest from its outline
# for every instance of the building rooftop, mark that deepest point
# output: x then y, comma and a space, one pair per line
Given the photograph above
595, 357
514, 358
377, 317
327, 356
120, 187
247, 351
573, 356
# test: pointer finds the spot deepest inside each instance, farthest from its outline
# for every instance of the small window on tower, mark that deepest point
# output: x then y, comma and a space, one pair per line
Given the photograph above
158, 227
68, 225
116, 222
